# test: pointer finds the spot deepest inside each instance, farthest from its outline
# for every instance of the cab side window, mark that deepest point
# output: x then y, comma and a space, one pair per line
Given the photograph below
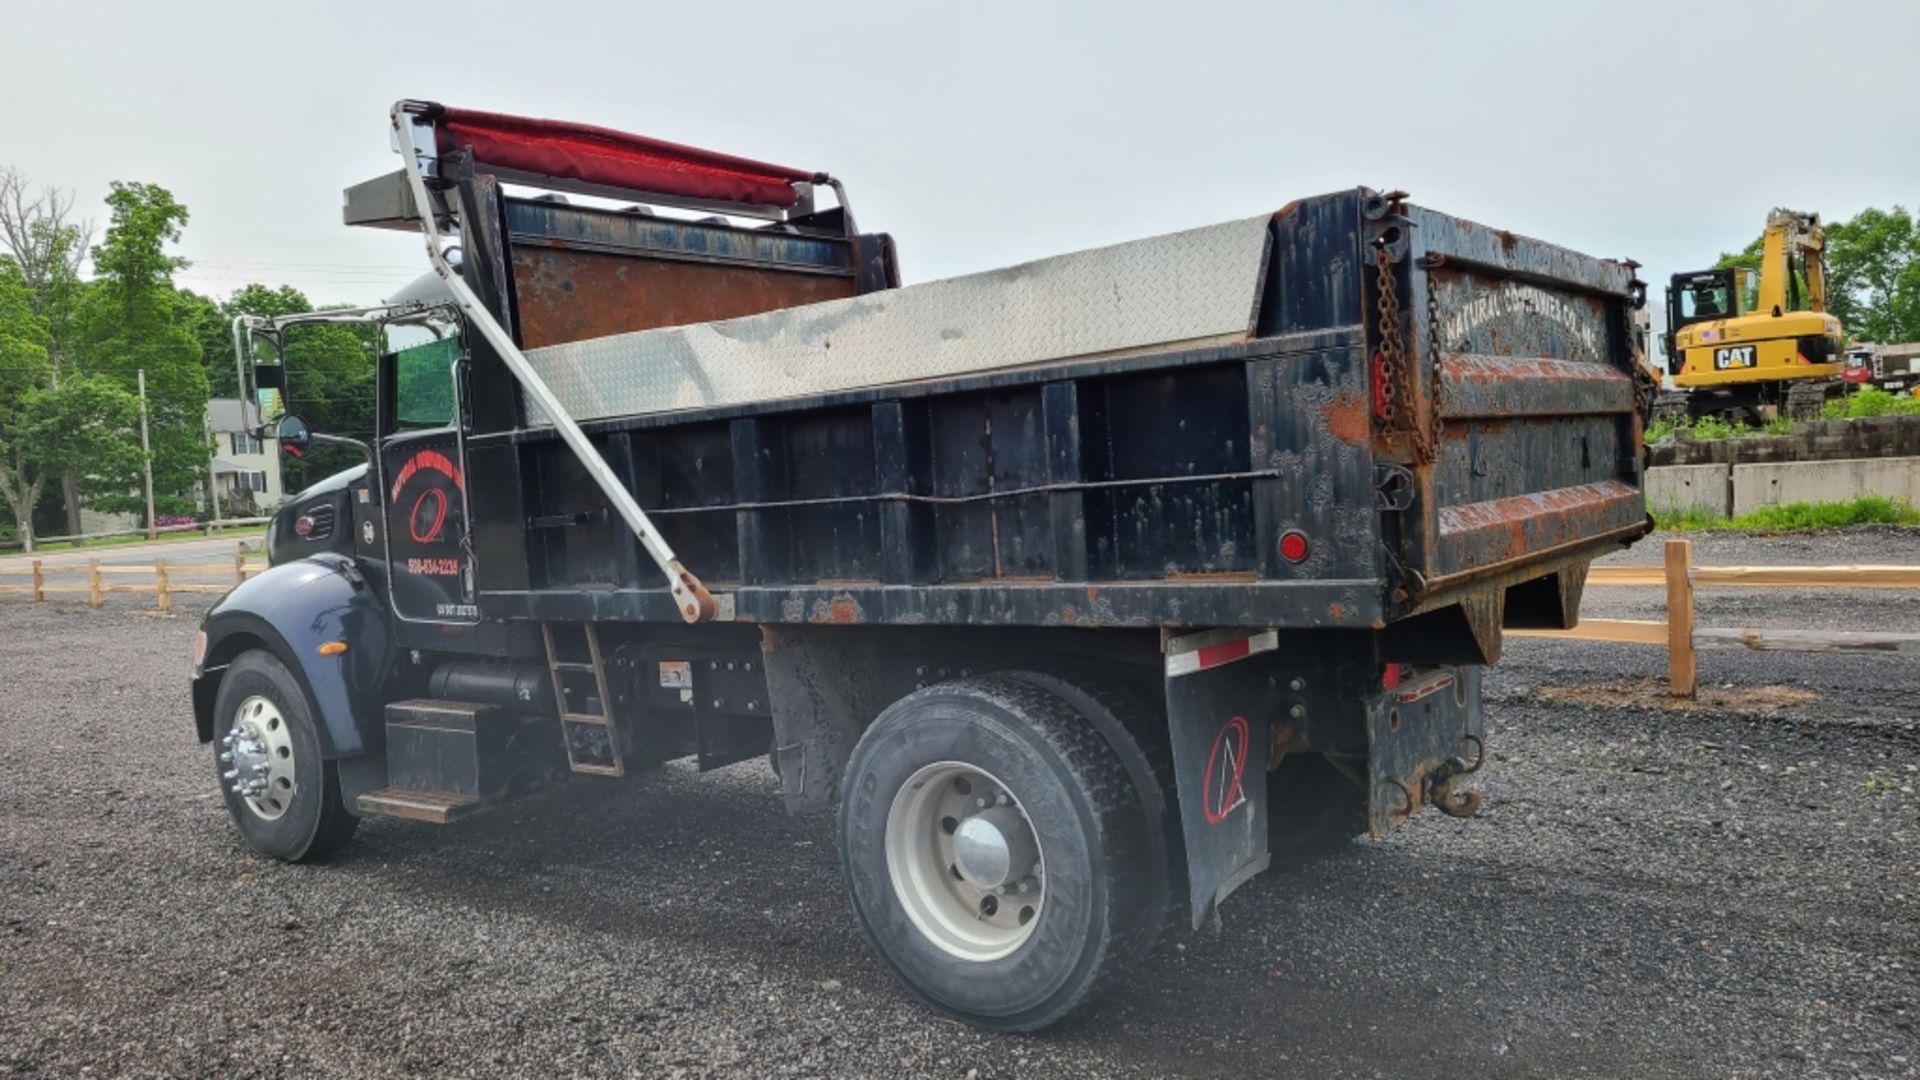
422, 388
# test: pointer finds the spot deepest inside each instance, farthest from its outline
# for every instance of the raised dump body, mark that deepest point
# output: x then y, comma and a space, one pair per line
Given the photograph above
1079, 590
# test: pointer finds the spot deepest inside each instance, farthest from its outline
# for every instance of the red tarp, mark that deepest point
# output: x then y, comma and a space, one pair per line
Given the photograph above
598, 155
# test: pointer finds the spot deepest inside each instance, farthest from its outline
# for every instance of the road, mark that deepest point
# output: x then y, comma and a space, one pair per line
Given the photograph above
1726, 889
206, 551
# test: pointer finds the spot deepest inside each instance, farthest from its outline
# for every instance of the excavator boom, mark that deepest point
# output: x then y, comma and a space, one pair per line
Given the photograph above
1794, 242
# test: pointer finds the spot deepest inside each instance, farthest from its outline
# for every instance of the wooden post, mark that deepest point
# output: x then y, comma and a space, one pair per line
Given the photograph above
94, 594
162, 586
39, 583
239, 563
1683, 674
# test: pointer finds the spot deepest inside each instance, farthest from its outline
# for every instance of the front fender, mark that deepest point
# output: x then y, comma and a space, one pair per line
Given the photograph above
291, 610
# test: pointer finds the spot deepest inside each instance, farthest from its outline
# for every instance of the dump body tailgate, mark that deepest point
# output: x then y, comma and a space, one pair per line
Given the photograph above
1534, 394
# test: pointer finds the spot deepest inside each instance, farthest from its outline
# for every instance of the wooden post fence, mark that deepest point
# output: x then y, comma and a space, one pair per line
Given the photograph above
1683, 673
1682, 636
97, 579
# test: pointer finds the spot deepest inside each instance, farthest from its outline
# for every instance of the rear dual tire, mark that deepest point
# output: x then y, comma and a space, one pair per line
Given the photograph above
1087, 891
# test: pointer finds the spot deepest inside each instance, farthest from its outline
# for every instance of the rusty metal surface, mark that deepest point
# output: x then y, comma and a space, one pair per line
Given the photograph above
1475, 385
567, 295
1529, 362
1423, 736
1477, 535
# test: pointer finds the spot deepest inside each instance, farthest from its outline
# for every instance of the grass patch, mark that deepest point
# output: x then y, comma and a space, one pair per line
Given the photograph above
1708, 428
1797, 516
1870, 401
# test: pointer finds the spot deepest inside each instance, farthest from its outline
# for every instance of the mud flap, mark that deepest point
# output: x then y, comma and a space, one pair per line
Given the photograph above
1219, 695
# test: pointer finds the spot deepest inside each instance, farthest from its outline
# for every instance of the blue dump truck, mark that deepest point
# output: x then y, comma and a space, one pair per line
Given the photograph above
1081, 591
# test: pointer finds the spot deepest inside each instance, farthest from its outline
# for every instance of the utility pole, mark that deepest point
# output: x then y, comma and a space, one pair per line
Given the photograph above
146, 452
213, 478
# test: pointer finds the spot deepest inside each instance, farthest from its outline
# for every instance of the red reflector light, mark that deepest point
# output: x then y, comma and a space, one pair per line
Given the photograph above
1293, 545
1389, 676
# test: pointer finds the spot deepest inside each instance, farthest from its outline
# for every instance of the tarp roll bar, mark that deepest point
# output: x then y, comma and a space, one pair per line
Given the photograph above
597, 155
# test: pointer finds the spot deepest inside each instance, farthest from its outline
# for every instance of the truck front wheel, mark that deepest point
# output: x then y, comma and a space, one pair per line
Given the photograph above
994, 845
283, 797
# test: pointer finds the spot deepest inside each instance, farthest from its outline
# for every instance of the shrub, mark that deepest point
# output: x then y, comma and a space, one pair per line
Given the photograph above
1870, 401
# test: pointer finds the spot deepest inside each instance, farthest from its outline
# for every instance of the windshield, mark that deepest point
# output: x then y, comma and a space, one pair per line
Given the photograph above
1706, 300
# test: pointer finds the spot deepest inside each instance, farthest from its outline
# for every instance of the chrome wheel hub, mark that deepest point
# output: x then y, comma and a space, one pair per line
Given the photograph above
258, 757
964, 861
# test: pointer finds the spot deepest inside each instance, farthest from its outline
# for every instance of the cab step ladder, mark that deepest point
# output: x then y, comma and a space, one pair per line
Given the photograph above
587, 726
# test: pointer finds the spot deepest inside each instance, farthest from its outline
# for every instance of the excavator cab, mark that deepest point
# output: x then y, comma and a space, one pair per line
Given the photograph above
1699, 296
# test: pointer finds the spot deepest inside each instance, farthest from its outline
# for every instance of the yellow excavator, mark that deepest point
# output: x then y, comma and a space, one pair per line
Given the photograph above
1747, 350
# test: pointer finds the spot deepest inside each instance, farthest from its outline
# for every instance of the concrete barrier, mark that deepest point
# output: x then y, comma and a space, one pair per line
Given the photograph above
1755, 486
1678, 489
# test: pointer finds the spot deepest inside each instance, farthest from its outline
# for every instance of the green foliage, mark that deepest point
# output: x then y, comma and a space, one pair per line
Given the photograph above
129, 320
133, 256
83, 421
1870, 401
1713, 427
1798, 516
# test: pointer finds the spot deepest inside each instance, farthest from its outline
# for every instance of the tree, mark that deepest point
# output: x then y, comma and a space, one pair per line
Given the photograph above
49, 247
1873, 274
129, 320
47, 426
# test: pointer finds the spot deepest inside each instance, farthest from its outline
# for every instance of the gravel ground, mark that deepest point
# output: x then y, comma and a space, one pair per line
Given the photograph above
1728, 889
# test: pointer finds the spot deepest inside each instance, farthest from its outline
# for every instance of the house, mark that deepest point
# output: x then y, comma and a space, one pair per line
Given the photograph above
246, 468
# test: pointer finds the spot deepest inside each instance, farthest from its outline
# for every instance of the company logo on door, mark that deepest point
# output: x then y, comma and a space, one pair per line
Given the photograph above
1738, 356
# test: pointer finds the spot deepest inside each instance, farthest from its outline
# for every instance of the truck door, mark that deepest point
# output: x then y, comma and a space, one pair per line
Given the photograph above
423, 484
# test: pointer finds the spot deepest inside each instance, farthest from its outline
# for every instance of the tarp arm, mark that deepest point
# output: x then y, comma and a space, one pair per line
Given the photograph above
417, 142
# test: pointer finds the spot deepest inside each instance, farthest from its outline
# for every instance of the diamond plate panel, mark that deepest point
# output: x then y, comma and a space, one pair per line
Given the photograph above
1161, 292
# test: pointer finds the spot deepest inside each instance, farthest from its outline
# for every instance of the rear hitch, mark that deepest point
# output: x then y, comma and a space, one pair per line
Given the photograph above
1443, 784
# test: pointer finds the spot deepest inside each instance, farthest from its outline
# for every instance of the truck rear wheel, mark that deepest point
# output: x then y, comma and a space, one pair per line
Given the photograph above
283, 797
990, 839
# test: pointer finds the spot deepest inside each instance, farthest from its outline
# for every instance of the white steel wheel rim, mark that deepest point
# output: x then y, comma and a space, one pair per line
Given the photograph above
948, 814
260, 759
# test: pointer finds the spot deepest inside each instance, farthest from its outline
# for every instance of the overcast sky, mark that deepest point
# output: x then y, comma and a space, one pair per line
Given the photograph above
983, 134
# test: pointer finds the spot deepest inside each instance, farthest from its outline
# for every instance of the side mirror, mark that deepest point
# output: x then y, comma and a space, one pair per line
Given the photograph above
269, 391
296, 438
